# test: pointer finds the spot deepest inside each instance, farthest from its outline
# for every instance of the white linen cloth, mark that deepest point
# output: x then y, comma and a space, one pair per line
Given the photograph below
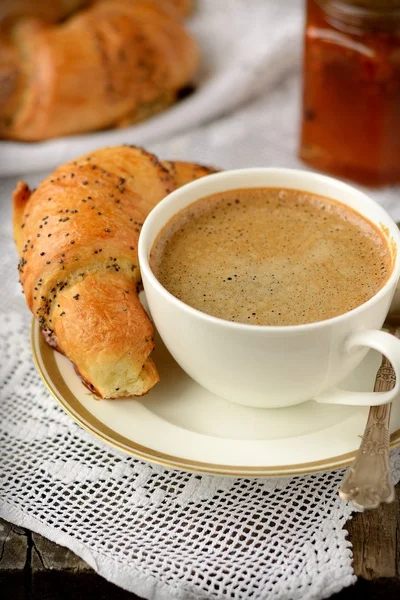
163, 534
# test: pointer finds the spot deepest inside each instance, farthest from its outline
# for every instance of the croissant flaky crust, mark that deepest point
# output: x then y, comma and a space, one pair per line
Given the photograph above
110, 64
77, 237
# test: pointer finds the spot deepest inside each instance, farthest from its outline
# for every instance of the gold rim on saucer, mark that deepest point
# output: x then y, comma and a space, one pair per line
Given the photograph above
57, 386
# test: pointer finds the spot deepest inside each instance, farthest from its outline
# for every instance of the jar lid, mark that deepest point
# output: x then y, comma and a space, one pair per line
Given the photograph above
356, 14
377, 5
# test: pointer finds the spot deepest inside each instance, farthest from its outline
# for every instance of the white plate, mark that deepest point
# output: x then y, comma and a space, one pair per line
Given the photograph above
236, 62
181, 425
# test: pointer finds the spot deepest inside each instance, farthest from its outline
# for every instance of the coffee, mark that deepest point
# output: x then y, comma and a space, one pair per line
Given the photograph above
269, 256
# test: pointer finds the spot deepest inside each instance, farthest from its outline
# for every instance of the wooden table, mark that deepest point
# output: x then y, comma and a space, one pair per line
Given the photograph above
32, 568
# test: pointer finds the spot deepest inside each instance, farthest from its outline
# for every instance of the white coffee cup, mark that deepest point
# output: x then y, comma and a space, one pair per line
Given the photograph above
273, 366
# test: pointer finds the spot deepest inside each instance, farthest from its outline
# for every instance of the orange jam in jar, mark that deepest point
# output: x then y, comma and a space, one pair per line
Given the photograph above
351, 96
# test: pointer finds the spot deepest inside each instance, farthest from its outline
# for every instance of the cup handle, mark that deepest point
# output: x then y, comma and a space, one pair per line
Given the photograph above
385, 343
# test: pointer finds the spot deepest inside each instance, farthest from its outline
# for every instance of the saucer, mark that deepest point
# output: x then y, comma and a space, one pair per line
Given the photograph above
181, 425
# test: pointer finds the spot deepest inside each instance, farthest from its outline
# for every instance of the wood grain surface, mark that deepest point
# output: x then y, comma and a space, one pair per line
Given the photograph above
33, 568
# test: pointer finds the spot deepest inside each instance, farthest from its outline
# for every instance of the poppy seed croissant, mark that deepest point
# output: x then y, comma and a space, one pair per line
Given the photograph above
77, 237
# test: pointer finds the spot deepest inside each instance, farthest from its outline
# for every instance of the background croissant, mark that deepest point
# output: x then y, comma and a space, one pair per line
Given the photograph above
77, 237
52, 11
113, 63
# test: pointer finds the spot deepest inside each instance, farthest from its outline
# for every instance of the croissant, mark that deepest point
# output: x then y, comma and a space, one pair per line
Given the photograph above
56, 10
111, 64
77, 237
46, 10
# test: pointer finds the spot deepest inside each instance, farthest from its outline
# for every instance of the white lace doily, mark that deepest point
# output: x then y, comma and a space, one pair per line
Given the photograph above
159, 533
163, 534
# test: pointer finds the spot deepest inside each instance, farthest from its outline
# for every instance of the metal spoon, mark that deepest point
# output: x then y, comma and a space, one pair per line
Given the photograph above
368, 481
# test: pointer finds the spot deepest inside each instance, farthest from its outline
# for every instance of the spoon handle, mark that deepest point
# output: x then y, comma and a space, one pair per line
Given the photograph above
368, 481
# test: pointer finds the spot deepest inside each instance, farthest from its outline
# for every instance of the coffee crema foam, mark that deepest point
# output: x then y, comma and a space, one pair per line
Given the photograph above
269, 256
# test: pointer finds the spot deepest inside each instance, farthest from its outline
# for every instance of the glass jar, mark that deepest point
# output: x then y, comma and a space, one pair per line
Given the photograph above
351, 96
